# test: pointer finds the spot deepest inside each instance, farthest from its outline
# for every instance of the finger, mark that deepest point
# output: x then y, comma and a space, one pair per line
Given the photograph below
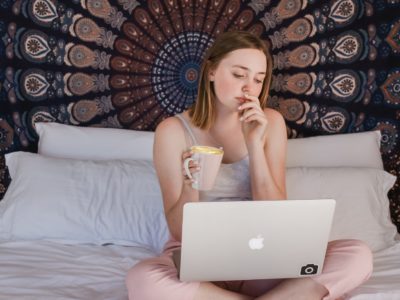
251, 112
192, 169
187, 154
252, 98
192, 163
249, 105
188, 181
256, 117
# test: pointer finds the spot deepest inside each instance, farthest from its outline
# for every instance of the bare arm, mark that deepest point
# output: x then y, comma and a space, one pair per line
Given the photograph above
268, 160
169, 144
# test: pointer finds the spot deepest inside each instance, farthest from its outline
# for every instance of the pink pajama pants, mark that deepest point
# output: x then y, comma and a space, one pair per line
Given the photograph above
348, 263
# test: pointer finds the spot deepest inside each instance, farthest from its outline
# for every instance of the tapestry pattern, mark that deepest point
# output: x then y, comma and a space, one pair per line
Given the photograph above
130, 64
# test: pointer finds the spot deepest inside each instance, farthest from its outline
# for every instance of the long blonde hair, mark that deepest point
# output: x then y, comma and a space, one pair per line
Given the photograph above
202, 112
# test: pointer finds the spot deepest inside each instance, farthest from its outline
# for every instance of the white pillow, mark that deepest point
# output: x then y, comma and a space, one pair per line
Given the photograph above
339, 150
68, 141
77, 201
362, 205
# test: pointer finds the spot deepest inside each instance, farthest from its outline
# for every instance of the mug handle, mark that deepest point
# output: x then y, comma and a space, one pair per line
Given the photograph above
186, 166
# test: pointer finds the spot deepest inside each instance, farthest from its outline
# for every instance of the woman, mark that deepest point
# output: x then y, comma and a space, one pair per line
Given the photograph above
230, 112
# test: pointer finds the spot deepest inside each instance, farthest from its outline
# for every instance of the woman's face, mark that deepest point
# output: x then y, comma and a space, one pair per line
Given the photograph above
241, 71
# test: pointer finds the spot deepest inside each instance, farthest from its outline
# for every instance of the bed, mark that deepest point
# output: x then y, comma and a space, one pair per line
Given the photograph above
83, 210
47, 270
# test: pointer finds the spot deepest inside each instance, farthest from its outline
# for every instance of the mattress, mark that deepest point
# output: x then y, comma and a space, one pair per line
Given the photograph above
46, 270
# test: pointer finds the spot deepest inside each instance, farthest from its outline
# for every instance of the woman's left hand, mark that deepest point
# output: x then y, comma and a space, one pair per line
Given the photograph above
254, 121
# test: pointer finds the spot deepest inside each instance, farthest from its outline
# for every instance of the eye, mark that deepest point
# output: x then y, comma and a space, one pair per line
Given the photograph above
258, 81
238, 75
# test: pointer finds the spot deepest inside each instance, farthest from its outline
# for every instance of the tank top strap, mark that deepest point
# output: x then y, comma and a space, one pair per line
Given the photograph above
188, 129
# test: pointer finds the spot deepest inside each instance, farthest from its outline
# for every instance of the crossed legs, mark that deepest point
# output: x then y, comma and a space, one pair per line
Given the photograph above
289, 289
348, 263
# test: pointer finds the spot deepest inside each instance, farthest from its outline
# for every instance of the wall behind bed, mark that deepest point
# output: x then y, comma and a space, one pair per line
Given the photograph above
130, 64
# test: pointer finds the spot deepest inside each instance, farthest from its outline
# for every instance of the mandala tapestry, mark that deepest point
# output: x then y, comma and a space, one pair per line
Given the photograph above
130, 64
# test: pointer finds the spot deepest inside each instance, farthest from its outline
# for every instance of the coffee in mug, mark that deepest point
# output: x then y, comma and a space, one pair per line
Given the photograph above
209, 159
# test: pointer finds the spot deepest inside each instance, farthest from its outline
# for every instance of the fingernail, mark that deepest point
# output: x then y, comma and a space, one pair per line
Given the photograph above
241, 119
240, 107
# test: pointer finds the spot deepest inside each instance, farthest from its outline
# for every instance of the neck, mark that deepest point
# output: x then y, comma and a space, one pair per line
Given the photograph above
226, 119
225, 122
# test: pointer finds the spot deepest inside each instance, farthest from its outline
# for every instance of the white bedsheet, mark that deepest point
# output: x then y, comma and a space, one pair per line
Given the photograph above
384, 283
44, 270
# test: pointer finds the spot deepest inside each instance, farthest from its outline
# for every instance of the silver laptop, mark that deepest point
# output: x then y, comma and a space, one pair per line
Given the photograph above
245, 240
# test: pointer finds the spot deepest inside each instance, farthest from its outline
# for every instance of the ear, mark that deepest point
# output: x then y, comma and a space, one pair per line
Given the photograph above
211, 75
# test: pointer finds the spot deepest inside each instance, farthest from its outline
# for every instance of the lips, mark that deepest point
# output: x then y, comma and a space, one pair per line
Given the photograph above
242, 99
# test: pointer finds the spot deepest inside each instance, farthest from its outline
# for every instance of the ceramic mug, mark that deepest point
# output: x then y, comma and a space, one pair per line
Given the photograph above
209, 159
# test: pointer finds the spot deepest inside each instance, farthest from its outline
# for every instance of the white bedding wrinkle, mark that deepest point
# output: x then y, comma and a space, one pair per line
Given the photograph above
46, 270
384, 284
40, 270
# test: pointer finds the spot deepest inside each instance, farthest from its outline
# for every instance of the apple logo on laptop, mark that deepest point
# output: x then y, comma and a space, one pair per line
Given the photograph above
256, 243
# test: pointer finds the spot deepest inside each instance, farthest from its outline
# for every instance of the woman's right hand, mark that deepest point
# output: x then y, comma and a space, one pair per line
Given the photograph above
193, 168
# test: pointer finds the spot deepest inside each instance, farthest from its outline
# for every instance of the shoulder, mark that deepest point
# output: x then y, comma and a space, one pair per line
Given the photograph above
276, 129
171, 124
274, 117
170, 131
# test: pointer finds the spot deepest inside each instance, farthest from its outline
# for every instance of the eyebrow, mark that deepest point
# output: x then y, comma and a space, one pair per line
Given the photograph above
247, 69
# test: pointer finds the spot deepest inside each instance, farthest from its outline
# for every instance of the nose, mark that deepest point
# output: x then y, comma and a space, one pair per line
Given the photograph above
246, 88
